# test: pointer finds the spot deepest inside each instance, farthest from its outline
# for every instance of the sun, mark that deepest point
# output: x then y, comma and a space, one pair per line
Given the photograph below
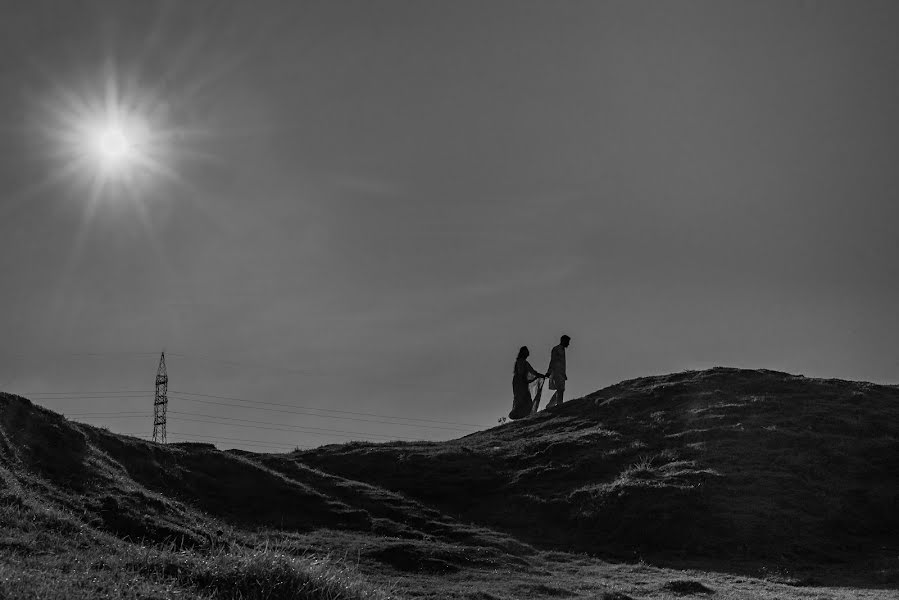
113, 145
116, 143
114, 136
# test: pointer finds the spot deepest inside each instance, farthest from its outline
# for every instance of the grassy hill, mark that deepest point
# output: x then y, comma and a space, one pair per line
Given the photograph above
749, 464
724, 472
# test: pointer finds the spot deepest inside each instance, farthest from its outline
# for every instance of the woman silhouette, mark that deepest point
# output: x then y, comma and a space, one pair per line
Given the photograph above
523, 375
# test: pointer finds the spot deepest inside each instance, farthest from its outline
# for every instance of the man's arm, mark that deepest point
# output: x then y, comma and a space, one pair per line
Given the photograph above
553, 359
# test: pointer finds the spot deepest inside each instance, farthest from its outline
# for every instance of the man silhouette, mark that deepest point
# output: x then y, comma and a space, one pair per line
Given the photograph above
556, 372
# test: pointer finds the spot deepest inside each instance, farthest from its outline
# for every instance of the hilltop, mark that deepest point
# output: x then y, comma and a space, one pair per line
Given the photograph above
725, 470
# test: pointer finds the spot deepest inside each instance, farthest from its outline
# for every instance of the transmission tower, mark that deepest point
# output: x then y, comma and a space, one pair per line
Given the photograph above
161, 402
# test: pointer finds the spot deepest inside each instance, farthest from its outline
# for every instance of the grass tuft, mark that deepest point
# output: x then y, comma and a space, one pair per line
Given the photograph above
642, 469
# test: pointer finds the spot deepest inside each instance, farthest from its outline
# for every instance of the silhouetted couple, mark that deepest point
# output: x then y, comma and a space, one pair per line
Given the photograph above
524, 376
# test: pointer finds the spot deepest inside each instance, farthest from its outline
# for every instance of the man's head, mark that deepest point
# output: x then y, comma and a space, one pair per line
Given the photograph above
565, 340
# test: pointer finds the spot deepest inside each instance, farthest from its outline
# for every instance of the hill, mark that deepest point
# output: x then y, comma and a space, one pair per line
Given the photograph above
726, 470
724, 462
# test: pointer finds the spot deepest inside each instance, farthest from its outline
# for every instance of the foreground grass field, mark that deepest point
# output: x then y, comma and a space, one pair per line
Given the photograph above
720, 483
48, 556
141, 572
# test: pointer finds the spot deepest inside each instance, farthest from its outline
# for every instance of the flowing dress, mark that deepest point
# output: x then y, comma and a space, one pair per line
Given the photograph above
522, 401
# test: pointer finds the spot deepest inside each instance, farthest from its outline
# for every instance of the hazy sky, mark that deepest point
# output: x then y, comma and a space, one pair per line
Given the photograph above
369, 206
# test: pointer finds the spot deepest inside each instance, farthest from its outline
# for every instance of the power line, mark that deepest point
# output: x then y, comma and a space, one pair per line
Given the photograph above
309, 414
135, 414
258, 443
245, 441
68, 397
22, 355
299, 429
160, 406
216, 420
245, 423
347, 412
148, 438
249, 441
131, 413
411, 421
89, 392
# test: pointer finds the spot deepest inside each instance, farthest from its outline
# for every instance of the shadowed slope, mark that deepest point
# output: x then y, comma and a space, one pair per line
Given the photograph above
186, 493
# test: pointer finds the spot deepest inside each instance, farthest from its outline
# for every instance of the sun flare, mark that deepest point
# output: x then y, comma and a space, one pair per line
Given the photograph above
114, 138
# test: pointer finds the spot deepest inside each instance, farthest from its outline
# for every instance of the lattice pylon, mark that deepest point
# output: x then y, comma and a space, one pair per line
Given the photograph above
161, 401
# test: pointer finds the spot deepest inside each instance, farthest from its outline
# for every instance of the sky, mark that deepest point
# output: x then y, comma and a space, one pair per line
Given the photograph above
349, 216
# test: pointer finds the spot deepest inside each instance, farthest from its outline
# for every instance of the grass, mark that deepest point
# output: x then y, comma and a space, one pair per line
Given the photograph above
140, 572
40, 559
239, 573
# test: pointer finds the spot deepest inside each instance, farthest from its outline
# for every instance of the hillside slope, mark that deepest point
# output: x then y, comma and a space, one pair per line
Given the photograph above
724, 462
191, 494
754, 466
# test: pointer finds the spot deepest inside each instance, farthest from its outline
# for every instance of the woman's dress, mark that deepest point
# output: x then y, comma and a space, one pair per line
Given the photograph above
522, 402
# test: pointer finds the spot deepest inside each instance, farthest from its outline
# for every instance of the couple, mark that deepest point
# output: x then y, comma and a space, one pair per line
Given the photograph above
523, 404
